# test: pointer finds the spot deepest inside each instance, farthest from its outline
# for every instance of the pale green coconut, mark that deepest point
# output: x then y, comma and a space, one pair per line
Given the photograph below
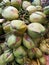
16, 3
36, 30
2, 61
39, 8
46, 10
25, 4
28, 42
31, 9
37, 17
10, 13
13, 41
36, 2
19, 26
19, 52
6, 2
20, 61
8, 57
7, 27
42, 61
31, 53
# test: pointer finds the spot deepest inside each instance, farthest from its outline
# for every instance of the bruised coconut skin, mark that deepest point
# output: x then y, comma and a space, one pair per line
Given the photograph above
10, 13
28, 42
35, 29
14, 41
37, 17
25, 4
19, 26
31, 9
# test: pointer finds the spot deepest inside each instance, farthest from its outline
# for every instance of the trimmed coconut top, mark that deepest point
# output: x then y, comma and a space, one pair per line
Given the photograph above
18, 24
36, 27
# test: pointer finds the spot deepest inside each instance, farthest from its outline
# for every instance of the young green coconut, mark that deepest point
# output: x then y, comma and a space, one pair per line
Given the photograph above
8, 56
16, 3
2, 62
31, 9
37, 17
20, 61
25, 4
46, 10
31, 53
36, 2
35, 30
42, 60
28, 42
5, 2
10, 13
19, 52
7, 27
39, 8
19, 26
14, 41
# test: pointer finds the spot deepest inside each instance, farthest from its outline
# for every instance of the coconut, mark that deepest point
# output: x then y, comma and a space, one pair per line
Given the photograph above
10, 13
36, 30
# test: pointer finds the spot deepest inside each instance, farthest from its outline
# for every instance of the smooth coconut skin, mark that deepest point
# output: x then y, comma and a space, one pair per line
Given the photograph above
35, 30
25, 4
38, 17
31, 9
10, 13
